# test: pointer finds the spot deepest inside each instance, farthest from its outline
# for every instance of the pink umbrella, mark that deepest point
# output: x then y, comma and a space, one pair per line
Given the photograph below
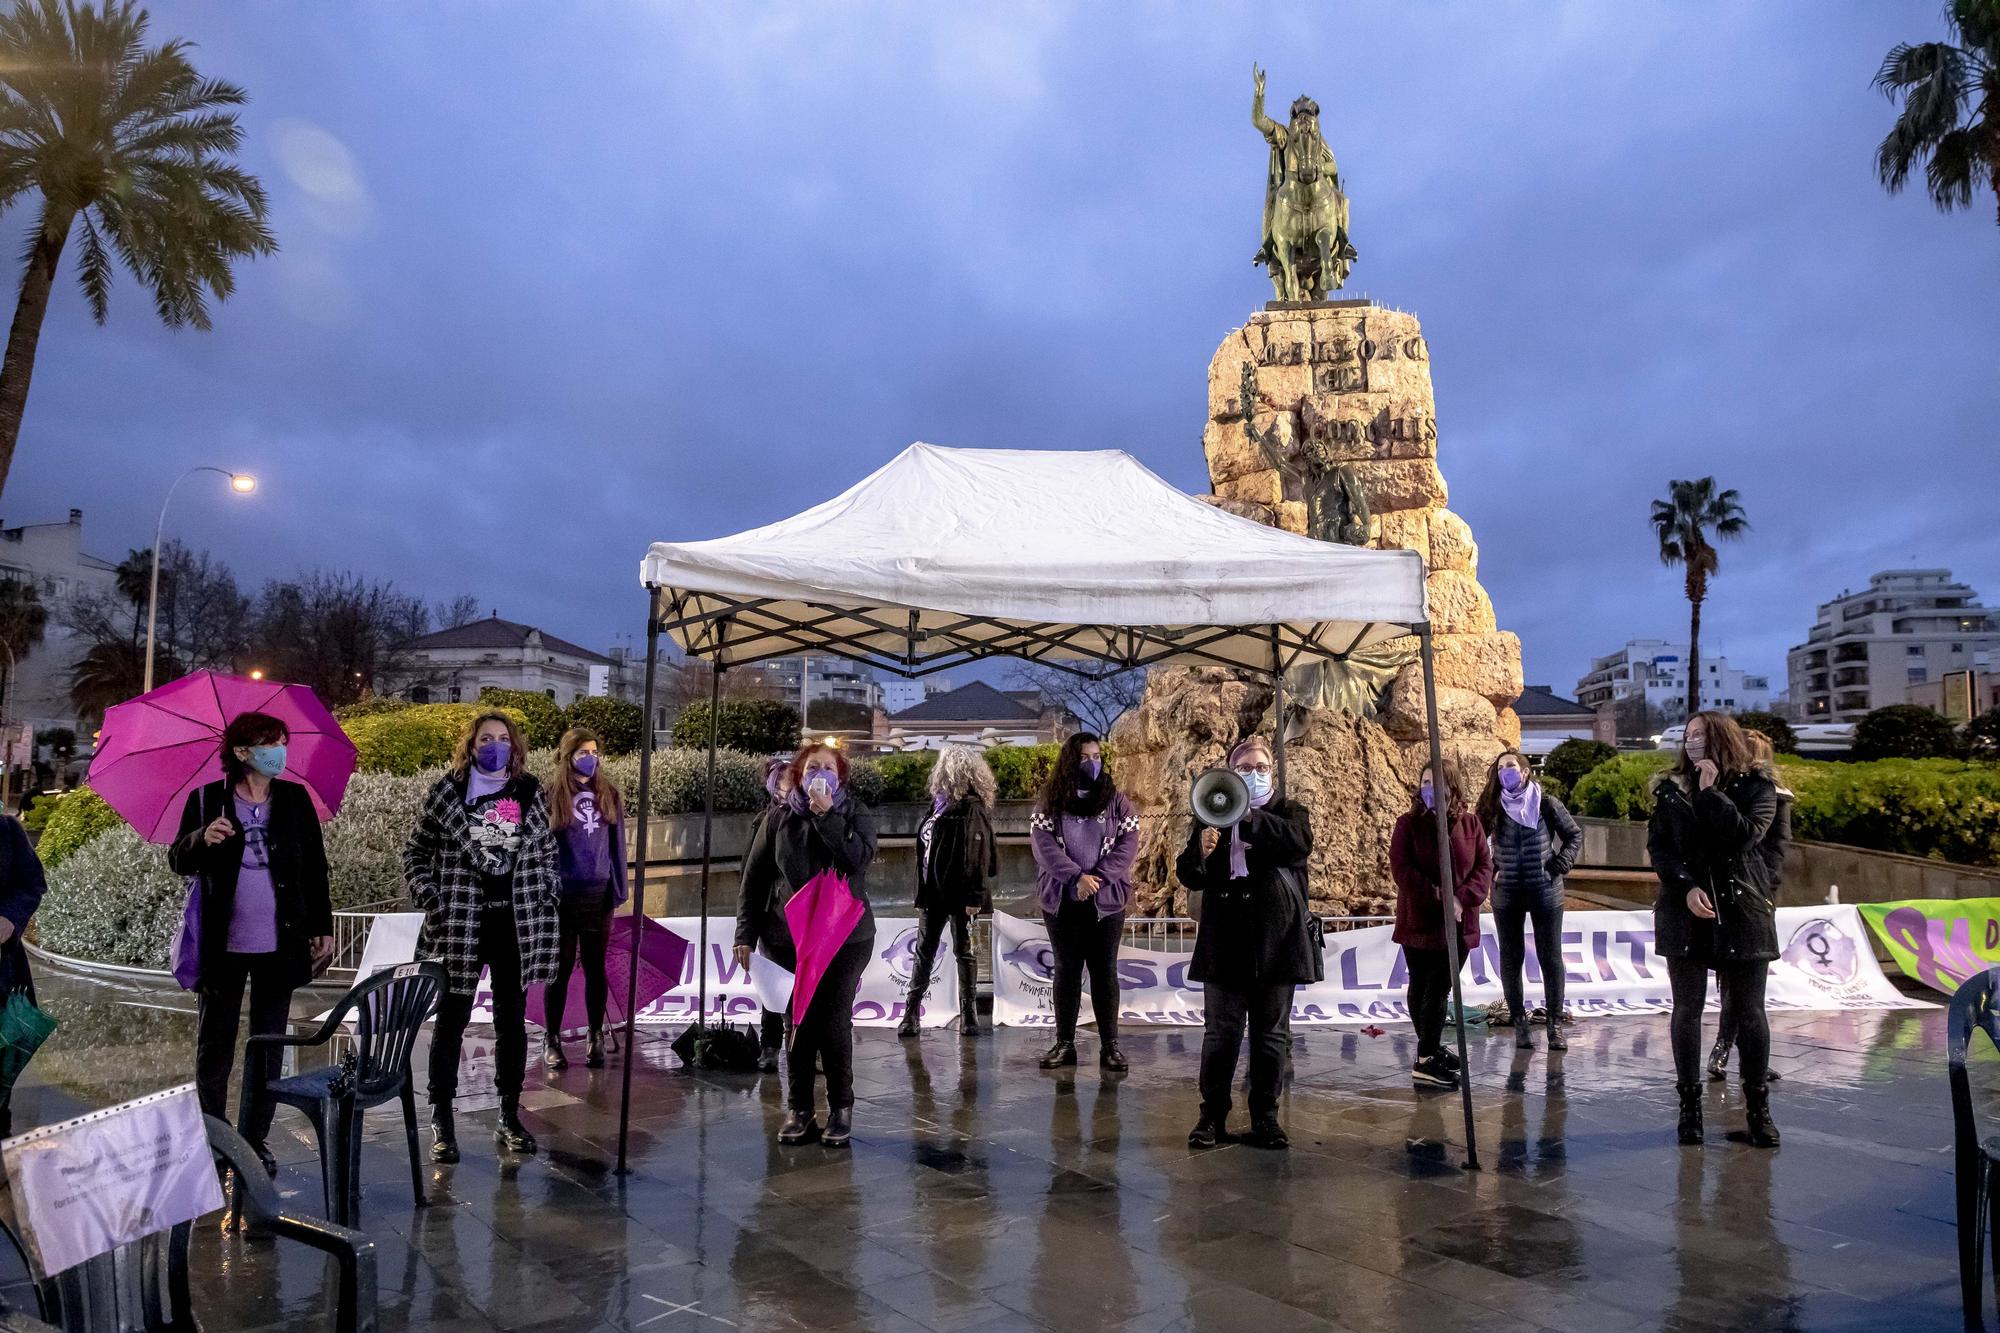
157, 748
662, 955
822, 915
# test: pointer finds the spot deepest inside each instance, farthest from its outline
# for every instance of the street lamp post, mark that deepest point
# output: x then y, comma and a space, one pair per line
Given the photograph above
242, 483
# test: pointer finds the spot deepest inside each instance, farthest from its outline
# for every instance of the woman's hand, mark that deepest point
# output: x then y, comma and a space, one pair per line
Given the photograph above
1088, 885
219, 831
1210, 839
1699, 904
817, 798
742, 955
971, 911
322, 952
1705, 774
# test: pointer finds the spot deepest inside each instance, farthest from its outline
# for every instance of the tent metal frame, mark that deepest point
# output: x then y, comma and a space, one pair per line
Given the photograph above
742, 631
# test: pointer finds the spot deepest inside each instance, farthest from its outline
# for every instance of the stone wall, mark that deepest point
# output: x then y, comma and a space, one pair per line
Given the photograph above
1354, 378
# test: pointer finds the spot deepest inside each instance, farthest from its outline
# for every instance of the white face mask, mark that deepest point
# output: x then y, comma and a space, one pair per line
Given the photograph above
1697, 748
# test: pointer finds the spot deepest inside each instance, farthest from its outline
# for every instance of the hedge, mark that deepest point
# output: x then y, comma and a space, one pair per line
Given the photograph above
1943, 808
1567, 763
1904, 731
757, 726
619, 723
410, 740
545, 721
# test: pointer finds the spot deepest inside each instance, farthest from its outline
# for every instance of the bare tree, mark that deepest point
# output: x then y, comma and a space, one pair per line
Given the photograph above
1097, 701
460, 610
338, 633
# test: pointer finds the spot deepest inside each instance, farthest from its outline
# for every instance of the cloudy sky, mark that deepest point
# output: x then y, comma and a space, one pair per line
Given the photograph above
558, 281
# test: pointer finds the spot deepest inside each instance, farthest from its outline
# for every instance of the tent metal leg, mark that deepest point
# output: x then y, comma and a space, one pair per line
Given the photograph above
655, 611
1278, 711
707, 835
1448, 890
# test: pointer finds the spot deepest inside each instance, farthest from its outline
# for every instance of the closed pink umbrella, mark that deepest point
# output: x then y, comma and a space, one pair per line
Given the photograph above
157, 748
821, 916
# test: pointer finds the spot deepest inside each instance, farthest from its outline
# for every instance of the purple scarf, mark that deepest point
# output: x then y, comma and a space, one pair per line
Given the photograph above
1524, 804
1239, 863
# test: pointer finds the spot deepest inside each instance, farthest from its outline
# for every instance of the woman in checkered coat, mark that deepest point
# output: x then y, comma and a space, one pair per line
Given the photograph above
483, 866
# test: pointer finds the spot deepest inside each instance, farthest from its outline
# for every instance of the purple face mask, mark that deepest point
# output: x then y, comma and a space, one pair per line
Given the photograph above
493, 756
1429, 796
824, 777
1091, 768
584, 764
1510, 779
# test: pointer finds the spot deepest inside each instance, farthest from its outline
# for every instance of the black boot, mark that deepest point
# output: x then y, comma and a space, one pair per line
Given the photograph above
1060, 1054
1757, 1100
1557, 1041
1524, 1035
799, 1127
1718, 1060
1689, 1129
510, 1133
552, 1053
920, 984
444, 1134
912, 1021
968, 996
594, 1057
839, 1126
1110, 1057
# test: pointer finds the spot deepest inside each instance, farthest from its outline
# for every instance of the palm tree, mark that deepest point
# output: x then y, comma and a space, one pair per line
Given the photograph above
110, 673
1683, 522
1951, 108
131, 149
23, 623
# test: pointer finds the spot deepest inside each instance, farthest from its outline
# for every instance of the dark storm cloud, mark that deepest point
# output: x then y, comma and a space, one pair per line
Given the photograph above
552, 288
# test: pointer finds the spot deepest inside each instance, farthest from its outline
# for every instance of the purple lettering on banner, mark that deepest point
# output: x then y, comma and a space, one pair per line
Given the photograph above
1135, 974
1350, 971
1943, 949
1399, 972
1600, 950
867, 1011
1640, 940
726, 970
1177, 977
1573, 968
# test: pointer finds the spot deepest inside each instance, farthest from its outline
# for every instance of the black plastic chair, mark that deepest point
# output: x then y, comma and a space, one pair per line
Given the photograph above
143, 1287
1972, 1009
389, 1010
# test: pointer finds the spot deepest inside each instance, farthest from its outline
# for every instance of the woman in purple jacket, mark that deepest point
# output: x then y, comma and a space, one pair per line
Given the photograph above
1086, 836
589, 823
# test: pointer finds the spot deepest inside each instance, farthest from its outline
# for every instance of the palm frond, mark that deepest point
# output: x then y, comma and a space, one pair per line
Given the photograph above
1953, 168
93, 270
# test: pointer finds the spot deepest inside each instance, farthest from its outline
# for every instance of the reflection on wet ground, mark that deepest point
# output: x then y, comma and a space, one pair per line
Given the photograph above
981, 1193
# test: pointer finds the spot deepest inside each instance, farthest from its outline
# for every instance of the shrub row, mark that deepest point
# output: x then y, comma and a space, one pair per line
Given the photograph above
394, 736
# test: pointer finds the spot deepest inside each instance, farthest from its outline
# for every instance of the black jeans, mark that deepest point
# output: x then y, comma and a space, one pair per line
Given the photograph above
1510, 918
1430, 988
500, 950
221, 1006
585, 922
826, 1033
1080, 940
1226, 1011
934, 923
1742, 1011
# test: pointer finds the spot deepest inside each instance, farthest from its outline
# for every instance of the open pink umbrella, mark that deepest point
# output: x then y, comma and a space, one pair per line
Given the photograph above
157, 748
822, 915
662, 955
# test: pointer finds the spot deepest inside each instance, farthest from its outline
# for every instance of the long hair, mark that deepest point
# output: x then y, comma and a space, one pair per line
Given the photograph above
1453, 808
563, 786
1728, 749
1489, 796
1066, 780
461, 757
961, 770
806, 751
246, 730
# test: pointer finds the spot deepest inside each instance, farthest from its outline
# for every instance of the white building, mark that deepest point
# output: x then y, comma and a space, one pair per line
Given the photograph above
827, 677
50, 557
1909, 627
898, 694
454, 665
1657, 669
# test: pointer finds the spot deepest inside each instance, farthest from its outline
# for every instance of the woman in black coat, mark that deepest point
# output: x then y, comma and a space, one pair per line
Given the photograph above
823, 826
760, 907
1772, 851
21, 888
252, 842
1711, 813
1254, 946
958, 858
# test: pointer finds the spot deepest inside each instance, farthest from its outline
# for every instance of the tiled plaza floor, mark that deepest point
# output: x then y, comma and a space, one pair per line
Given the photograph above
982, 1193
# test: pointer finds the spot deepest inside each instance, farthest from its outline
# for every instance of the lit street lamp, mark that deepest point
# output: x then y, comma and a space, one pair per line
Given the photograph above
242, 483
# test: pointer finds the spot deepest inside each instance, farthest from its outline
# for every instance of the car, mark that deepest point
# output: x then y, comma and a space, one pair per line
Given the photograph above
1824, 737
1671, 738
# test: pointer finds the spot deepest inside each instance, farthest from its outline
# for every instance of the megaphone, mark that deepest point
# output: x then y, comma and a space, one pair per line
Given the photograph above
1219, 798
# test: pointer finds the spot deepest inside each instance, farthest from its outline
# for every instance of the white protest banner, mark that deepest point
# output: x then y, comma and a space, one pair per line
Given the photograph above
1608, 964
84, 1187
772, 984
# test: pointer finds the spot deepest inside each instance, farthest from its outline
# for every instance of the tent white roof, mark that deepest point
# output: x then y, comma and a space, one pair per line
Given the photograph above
947, 555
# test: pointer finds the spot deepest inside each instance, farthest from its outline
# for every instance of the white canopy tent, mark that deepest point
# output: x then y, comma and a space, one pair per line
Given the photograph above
1084, 561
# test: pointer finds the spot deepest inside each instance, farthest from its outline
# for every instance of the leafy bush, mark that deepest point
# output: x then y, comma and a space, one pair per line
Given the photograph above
36, 817
413, 739
1981, 736
619, 723
364, 842
754, 726
1940, 808
545, 723
1020, 770
1620, 787
906, 777
113, 900
1778, 731
1904, 731
79, 818
373, 706
1567, 763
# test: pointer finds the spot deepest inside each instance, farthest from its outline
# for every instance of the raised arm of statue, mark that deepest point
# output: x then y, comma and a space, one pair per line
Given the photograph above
1267, 127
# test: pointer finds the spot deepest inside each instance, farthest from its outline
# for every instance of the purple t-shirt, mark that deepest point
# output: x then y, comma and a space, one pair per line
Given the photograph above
253, 918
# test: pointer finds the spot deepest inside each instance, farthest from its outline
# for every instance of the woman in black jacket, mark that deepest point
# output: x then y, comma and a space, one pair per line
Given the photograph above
760, 907
1772, 851
823, 826
21, 888
1535, 842
958, 858
1254, 946
252, 843
1711, 812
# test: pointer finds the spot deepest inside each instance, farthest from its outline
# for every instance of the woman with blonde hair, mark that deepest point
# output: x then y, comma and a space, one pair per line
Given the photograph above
483, 867
589, 822
958, 858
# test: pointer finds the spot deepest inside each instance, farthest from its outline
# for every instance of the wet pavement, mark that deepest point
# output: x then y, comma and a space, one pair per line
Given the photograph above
982, 1193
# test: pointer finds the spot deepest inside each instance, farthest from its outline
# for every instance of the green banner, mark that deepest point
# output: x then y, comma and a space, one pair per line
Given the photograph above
1940, 943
